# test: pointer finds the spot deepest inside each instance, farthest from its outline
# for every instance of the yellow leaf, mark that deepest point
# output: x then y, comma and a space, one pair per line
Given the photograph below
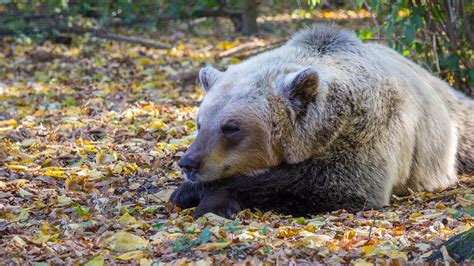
350, 234
54, 237
79, 141
234, 60
55, 172
8, 123
213, 246
90, 148
367, 249
41, 238
132, 53
130, 168
16, 167
97, 261
124, 241
127, 219
286, 231
100, 156
144, 61
415, 215
361, 262
225, 45
158, 125
132, 255
45, 228
146, 262
44, 234
393, 254
332, 246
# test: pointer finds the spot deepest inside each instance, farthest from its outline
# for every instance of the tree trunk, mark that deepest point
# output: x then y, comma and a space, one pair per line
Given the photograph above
249, 17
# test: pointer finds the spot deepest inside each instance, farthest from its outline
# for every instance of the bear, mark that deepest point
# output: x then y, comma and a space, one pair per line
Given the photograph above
322, 123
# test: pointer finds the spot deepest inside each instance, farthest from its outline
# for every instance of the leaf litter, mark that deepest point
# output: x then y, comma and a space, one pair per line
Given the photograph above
89, 143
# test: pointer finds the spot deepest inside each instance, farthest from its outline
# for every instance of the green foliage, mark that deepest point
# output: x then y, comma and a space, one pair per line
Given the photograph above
82, 211
205, 235
436, 34
233, 226
45, 19
313, 3
158, 226
184, 244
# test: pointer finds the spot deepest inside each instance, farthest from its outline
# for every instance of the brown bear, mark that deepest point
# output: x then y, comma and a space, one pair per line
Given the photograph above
321, 123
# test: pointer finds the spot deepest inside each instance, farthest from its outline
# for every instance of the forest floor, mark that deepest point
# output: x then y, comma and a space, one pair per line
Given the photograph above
90, 135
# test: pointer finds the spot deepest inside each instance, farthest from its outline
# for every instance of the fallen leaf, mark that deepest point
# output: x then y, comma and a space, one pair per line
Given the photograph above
16, 167
24, 194
97, 261
55, 172
127, 219
212, 246
284, 232
124, 242
8, 123
63, 200
165, 194
19, 242
132, 255
315, 241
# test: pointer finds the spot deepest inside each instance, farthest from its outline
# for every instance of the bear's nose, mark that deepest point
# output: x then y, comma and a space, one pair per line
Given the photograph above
189, 165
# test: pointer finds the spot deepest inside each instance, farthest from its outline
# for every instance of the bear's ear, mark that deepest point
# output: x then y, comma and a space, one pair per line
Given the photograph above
208, 77
301, 87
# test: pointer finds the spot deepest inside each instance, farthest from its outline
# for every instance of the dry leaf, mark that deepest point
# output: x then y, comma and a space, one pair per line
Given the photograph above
124, 241
212, 246
132, 255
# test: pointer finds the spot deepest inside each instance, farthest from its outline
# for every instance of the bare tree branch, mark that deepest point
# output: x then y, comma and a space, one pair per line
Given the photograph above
372, 16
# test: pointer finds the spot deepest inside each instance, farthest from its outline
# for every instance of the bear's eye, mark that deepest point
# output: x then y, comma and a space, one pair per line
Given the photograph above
230, 128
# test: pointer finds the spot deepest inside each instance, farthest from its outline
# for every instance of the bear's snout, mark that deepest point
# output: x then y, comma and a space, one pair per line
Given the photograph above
190, 167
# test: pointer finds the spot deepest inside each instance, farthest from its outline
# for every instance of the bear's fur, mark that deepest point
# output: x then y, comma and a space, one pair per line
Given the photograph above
326, 122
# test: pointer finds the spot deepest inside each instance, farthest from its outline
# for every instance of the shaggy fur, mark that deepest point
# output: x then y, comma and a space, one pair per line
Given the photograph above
368, 123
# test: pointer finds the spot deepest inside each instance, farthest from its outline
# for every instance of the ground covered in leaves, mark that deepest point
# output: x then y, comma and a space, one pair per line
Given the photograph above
90, 135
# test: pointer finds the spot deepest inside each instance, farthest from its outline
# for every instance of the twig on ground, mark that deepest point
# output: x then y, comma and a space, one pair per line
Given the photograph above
370, 230
130, 39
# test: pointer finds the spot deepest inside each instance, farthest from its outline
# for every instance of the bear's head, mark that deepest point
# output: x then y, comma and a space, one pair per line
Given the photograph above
248, 120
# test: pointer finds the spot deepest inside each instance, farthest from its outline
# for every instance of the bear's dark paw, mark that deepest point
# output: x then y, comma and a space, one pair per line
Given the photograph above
187, 195
219, 203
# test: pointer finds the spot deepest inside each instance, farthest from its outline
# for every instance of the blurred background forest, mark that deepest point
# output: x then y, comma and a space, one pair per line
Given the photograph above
436, 34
